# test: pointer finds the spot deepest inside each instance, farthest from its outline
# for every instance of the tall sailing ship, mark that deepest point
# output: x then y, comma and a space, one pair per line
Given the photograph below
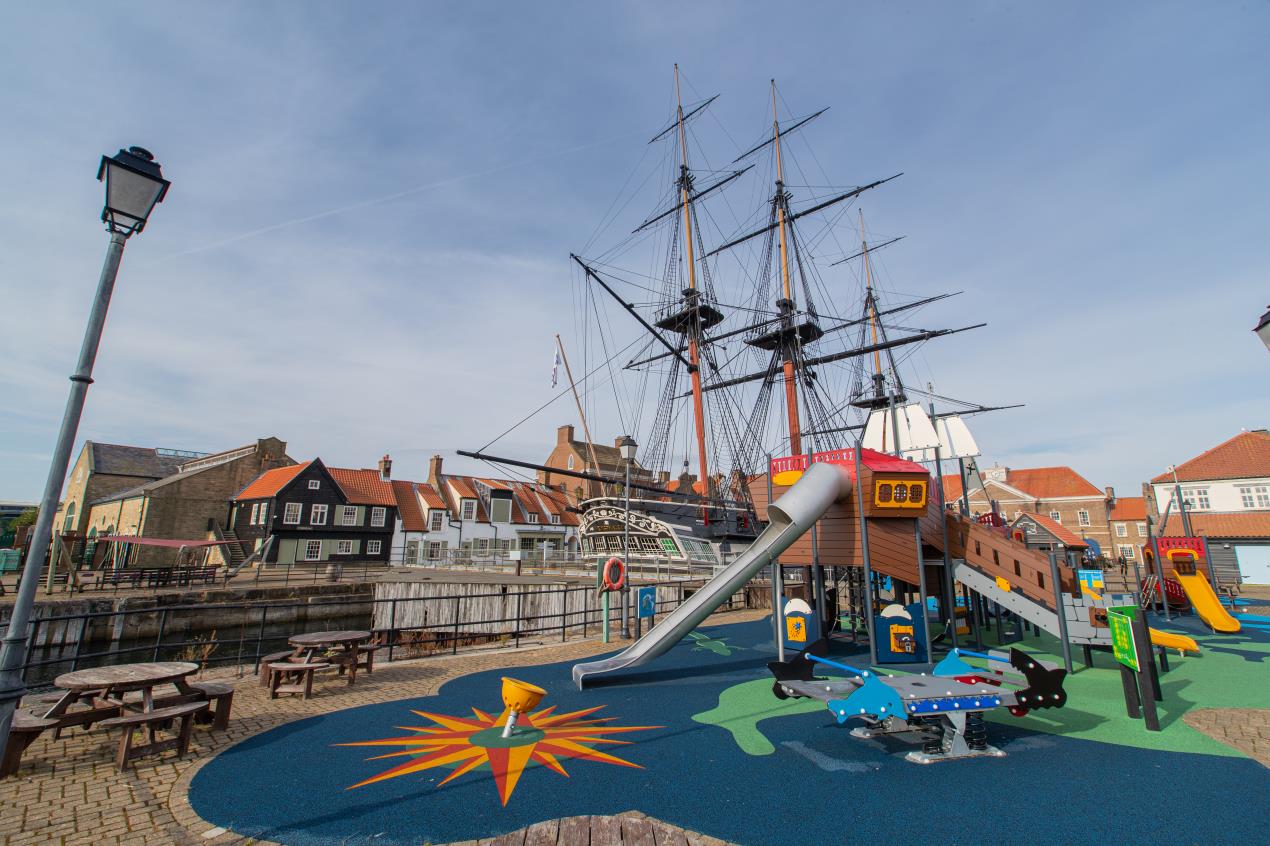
749, 337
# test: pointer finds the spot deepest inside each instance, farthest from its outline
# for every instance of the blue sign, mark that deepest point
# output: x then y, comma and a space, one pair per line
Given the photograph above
646, 601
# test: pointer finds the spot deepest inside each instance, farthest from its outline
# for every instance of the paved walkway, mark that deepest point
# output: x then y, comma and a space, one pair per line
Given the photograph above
68, 791
1245, 729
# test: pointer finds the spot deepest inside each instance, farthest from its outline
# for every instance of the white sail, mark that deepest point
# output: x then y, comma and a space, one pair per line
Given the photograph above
955, 441
916, 432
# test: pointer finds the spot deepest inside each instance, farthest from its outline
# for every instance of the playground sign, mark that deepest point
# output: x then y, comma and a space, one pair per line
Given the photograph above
1090, 581
646, 601
1123, 644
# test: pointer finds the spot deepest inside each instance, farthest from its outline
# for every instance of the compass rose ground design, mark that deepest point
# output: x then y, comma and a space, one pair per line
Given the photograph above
470, 743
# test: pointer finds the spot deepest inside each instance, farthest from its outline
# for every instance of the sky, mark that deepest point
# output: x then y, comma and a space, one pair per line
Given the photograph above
365, 249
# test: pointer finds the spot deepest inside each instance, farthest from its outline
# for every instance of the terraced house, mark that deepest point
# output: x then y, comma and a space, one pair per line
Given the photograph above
317, 513
472, 517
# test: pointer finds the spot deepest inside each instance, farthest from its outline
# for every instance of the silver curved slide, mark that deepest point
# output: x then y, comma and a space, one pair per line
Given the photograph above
788, 517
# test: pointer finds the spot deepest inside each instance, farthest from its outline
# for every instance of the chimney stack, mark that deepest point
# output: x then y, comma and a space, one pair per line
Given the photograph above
385, 469
1111, 493
564, 434
434, 472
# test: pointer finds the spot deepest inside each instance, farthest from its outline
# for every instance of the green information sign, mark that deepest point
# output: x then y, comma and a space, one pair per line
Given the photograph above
1122, 641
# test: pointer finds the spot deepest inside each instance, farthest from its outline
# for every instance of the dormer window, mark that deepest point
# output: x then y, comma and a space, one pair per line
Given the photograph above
435, 518
469, 510
533, 517
314, 484
555, 518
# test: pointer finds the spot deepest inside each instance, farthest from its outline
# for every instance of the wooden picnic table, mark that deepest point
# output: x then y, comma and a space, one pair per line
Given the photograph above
347, 642
103, 689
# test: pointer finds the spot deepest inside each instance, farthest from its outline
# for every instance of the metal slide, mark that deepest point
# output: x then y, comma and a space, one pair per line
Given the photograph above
791, 515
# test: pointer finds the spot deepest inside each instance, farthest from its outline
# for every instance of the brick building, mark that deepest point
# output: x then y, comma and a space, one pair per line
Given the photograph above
1057, 493
569, 453
181, 505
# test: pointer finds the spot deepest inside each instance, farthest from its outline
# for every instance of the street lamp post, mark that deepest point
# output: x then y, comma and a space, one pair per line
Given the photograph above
627, 447
134, 185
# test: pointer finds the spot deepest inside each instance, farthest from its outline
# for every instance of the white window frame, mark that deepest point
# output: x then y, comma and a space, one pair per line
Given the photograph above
412, 552
434, 550
1056, 517
436, 520
318, 510
555, 519
348, 515
308, 546
344, 547
378, 515
468, 510
315, 484
292, 513
1082, 517
1142, 530
264, 512
1263, 496
374, 546
532, 516
1245, 496
1122, 530
570, 462
1127, 552
1196, 499
255, 512
482, 545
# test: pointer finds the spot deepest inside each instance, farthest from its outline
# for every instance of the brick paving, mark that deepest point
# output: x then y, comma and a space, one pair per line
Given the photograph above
68, 791
1245, 729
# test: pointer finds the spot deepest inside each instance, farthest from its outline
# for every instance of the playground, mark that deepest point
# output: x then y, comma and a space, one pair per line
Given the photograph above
699, 741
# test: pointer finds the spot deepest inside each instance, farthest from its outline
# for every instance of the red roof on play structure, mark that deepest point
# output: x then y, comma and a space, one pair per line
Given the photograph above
878, 462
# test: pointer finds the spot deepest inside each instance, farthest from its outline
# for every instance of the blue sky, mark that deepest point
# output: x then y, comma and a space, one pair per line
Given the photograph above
365, 248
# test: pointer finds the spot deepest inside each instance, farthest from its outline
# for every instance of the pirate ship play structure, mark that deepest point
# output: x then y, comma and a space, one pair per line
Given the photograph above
788, 401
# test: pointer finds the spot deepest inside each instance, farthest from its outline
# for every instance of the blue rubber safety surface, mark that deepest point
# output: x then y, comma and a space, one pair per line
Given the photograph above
820, 785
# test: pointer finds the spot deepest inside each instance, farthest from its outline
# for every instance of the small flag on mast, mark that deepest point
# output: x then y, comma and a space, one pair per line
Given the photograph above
555, 367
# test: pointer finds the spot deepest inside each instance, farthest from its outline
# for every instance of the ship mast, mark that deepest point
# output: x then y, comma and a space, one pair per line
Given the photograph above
791, 386
694, 327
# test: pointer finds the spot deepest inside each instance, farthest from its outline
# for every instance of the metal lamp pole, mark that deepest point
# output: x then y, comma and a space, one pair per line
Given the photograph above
134, 184
627, 447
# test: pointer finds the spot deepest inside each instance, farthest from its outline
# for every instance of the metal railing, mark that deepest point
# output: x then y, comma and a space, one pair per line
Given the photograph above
652, 567
239, 634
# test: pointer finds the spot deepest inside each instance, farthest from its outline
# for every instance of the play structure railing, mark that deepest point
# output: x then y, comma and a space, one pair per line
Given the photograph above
239, 633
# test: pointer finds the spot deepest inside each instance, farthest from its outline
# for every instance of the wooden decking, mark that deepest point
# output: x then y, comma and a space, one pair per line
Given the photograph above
629, 829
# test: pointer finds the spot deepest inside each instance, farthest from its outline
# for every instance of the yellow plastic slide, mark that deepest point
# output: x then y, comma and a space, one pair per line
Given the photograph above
1168, 640
1206, 604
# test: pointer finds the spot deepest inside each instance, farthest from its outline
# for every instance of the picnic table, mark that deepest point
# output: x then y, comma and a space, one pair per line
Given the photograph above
104, 688
345, 644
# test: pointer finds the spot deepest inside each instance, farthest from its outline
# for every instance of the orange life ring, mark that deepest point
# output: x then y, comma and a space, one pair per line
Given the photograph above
611, 583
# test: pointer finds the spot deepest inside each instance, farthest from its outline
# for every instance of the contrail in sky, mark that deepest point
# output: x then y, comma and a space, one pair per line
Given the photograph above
361, 204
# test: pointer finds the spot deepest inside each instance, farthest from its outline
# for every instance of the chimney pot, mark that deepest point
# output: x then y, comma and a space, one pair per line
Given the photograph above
385, 468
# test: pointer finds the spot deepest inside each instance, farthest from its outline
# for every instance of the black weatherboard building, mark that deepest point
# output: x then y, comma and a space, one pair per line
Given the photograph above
318, 513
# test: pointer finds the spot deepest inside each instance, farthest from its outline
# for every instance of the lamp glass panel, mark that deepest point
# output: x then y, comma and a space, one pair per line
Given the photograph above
129, 194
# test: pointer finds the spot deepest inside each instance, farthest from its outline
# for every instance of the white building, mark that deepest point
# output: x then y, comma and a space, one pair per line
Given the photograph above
1227, 495
463, 518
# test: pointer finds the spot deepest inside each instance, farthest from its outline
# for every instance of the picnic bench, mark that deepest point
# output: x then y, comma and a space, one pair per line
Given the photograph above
153, 721
293, 678
26, 727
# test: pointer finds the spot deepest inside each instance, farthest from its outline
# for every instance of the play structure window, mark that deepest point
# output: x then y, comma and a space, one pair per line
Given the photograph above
916, 494
901, 493
1018, 571
884, 492
1040, 580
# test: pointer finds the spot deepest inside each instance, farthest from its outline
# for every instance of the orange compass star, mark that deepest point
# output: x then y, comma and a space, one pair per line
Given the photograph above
467, 743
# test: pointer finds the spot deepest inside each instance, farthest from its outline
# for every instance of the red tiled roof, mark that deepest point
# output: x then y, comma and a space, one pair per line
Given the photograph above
1051, 482
1129, 508
431, 498
1245, 456
363, 487
1064, 535
1246, 524
408, 506
462, 486
673, 485
268, 483
952, 488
